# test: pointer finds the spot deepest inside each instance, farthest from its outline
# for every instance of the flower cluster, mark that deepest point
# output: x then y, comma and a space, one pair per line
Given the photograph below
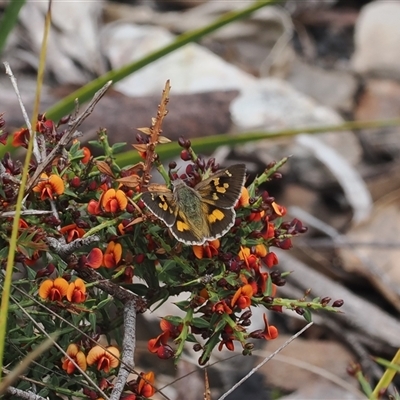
87, 238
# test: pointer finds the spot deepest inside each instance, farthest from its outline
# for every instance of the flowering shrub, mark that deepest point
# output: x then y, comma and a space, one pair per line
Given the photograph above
88, 246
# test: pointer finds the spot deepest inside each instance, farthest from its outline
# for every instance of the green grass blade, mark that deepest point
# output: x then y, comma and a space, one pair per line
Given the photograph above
9, 20
208, 144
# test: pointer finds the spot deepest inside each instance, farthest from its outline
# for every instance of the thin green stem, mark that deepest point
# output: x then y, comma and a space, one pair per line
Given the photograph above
209, 143
5, 299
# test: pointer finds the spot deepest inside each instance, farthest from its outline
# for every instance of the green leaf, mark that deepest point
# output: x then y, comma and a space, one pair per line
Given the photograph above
117, 147
307, 314
93, 320
183, 305
173, 319
316, 300
200, 323
44, 392
137, 288
71, 193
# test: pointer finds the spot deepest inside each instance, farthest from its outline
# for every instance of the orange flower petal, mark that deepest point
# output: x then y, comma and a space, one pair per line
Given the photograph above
44, 289
57, 183
112, 255
62, 285
109, 261
95, 258
114, 356
53, 290
198, 251
94, 354
236, 296
261, 250
86, 155
270, 331
77, 355
244, 253
81, 360
21, 138
76, 291
105, 359
80, 284
107, 197
93, 207
39, 186
244, 198
72, 350
67, 228
122, 199
247, 290
146, 382
118, 252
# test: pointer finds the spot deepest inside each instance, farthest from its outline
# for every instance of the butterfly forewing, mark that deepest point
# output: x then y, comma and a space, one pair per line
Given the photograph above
224, 187
162, 205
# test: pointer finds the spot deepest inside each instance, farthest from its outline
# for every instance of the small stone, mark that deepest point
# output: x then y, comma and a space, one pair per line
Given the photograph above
377, 37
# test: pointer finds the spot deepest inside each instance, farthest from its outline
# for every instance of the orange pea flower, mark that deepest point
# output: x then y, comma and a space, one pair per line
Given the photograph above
251, 260
105, 359
221, 308
86, 155
242, 297
21, 138
95, 258
260, 250
227, 339
114, 200
48, 186
207, 250
76, 291
243, 199
269, 231
53, 290
279, 210
270, 259
77, 355
94, 207
256, 215
73, 232
159, 344
146, 385
270, 331
112, 255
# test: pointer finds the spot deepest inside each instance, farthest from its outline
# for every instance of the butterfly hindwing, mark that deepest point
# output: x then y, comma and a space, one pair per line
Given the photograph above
224, 187
220, 220
185, 232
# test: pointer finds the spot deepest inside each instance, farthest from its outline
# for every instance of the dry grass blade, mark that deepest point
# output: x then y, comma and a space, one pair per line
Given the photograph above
234, 387
20, 368
207, 393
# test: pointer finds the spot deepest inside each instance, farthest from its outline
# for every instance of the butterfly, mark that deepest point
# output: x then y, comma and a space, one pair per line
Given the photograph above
204, 212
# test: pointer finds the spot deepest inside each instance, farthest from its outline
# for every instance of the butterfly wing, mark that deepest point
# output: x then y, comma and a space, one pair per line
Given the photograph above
162, 205
219, 194
223, 188
187, 232
220, 220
